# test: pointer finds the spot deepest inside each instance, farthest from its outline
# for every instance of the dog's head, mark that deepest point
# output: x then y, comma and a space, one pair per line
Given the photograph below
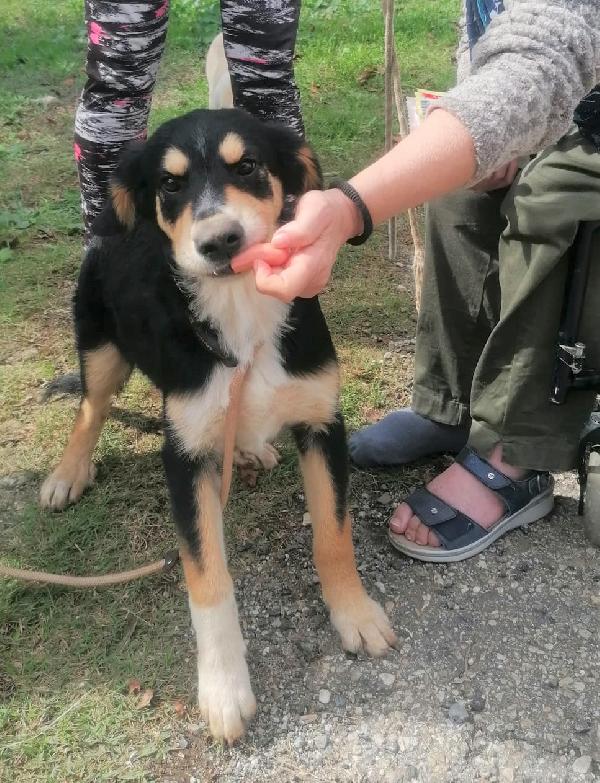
214, 182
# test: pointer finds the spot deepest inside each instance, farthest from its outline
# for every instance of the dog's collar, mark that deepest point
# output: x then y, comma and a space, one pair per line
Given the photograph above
209, 338
207, 335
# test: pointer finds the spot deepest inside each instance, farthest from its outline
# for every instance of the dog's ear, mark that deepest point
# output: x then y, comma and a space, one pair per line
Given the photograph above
296, 164
127, 193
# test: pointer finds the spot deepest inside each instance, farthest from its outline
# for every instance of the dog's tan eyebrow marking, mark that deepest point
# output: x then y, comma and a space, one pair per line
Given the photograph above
231, 149
175, 162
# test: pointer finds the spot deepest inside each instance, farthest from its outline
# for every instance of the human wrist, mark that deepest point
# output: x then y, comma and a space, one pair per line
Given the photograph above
348, 215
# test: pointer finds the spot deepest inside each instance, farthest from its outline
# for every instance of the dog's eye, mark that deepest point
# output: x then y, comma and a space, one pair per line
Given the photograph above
170, 184
246, 166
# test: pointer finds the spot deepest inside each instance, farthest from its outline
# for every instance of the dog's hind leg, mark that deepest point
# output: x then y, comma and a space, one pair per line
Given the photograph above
103, 373
360, 621
224, 692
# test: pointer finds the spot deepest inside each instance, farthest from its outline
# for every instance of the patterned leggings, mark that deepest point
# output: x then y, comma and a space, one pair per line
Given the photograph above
125, 44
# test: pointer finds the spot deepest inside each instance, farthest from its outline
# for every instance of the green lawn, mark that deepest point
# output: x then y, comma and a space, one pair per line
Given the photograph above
66, 657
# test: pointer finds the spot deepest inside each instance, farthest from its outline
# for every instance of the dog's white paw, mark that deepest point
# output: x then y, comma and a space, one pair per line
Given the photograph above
362, 624
225, 698
66, 485
267, 458
225, 695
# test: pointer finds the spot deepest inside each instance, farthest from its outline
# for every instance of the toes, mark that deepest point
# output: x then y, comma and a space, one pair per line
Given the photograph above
232, 724
412, 527
374, 642
432, 539
247, 704
400, 519
270, 457
422, 534
227, 714
351, 639
378, 635
60, 488
364, 625
55, 494
404, 522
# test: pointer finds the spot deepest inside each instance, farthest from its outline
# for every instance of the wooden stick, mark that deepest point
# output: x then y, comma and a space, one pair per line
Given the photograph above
413, 215
388, 15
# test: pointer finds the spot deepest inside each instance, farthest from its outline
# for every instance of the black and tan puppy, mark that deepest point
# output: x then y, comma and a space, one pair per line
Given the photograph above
156, 292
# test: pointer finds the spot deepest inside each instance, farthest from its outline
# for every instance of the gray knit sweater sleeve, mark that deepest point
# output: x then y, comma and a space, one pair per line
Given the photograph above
528, 72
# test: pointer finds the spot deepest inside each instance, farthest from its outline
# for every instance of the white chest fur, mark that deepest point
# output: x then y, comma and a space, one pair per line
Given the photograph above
251, 325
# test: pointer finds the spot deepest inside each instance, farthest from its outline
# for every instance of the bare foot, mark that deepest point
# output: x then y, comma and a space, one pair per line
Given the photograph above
461, 490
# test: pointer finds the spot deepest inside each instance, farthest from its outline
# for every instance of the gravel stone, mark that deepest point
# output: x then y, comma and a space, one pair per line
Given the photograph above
582, 765
385, 499
324, 696
321, 741
477, 703
457, 713
387, 679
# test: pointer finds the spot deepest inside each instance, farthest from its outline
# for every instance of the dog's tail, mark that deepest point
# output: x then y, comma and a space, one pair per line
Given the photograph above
68, 385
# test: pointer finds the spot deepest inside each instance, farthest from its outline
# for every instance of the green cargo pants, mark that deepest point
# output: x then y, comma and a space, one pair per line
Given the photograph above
493, 289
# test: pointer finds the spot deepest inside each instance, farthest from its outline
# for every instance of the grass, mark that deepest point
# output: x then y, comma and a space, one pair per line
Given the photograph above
66, 657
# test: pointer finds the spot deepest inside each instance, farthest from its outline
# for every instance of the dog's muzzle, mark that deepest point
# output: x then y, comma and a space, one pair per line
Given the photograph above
220, 245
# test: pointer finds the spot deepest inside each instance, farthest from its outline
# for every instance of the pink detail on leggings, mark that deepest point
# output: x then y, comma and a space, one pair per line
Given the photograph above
95, 32
77, 151
121, 102
255, 60
162, 10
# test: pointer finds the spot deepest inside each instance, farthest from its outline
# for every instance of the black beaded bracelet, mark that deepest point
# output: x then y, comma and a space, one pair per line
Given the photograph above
354, 196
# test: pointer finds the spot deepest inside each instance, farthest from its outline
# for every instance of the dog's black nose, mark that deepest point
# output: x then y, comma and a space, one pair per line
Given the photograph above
223, 246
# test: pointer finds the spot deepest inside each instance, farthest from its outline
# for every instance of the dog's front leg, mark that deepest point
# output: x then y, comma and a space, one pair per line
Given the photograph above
224, 692
360, 621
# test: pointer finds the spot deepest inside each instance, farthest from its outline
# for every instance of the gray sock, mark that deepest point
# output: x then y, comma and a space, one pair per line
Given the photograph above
403, 436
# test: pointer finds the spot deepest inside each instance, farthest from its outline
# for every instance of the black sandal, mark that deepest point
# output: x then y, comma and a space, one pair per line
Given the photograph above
461, 537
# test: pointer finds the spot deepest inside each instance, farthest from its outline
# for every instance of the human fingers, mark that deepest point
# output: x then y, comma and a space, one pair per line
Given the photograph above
264, 251
313, 216
295, 280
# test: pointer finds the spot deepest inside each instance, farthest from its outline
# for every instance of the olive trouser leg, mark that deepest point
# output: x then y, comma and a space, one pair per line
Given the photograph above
488, 329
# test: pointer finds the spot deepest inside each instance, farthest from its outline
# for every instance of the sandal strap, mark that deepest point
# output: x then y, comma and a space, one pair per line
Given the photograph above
453, 528
514, 494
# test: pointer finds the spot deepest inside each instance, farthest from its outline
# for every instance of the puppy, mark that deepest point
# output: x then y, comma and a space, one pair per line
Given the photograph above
156, 291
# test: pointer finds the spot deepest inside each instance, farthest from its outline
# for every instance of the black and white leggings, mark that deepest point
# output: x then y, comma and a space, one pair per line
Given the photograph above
125, 44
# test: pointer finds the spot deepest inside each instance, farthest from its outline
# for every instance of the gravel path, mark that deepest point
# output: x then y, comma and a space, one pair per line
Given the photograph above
495, 678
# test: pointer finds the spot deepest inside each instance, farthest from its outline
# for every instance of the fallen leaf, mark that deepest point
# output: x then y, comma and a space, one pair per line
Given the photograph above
314, 89
145, 699
134, 687
365, 75
179, 707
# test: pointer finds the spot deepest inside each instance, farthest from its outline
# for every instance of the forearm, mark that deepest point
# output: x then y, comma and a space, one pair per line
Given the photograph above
436, 158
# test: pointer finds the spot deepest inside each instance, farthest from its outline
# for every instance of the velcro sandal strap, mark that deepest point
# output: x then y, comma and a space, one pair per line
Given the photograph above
482, 470
453, 529
430, 509
514, 494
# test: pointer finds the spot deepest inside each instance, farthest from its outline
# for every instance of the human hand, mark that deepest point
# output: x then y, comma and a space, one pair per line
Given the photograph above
324, 220
501, 178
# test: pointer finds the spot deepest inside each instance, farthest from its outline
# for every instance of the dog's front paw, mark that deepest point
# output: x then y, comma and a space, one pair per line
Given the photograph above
266, 457
66, 484
225, 698
362, 623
